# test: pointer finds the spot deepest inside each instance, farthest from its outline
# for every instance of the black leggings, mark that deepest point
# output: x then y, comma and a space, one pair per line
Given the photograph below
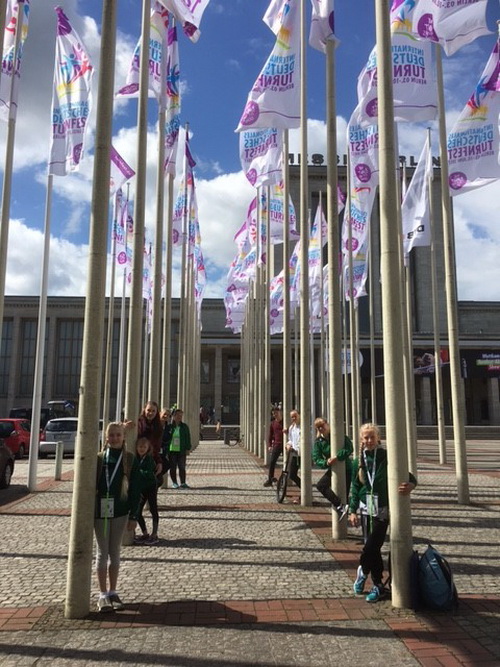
370, 560
324, 486
177, 460
294, 470
149, 496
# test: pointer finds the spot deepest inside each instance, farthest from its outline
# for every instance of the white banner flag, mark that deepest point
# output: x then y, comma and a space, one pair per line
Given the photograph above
71, 99
322, 25
188, 13
414, 85
261, 155
362, 144
120, 173
452, 23
474, 140
8, 106
415, 211
158, 32
274, 100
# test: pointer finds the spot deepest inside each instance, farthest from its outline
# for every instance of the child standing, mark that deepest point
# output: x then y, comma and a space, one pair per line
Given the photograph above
117, 501
149, 492
369, 492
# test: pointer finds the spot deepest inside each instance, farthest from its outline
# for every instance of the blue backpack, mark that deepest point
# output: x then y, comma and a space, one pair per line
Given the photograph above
435, 582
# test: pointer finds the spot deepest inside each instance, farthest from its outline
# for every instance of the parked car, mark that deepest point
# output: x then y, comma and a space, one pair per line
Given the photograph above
62, 429
25, 413
16, 434
6, 465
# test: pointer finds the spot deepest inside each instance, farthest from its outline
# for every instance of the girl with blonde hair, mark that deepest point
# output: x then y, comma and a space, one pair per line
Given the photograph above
370, 493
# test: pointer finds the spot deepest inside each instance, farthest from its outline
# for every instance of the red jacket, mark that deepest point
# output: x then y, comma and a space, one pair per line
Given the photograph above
275, 437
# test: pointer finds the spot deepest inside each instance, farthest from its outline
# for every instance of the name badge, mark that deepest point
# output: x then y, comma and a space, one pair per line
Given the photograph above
372, 504
107, 508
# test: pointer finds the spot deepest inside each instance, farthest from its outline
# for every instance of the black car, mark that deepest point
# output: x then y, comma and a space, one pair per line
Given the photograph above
6, 465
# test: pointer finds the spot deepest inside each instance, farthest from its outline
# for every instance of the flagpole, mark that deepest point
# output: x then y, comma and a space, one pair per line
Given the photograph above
287, 348
121, 349
305, 388
133, 368
401, 533
111, 316
155, 345
182, 295
167, 314
40, 344
457, 387
371, 286
82, 512
436, 325
9, 159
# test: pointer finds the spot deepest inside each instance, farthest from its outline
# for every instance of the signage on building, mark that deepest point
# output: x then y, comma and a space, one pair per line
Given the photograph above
318, 159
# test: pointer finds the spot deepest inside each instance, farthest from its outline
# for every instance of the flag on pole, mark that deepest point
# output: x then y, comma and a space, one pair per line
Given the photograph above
188, 13
8, 106
415, 209
362, 144
276, 304
322, 25
359, 273
158, 30
71, 99
451, 24
473, 142
173, 110
120, 172
261, 155
414, 86
274, 14
274, 100
316, 241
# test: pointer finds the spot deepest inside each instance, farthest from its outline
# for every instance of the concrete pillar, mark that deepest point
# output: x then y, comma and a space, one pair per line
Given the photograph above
493, 401
425, 400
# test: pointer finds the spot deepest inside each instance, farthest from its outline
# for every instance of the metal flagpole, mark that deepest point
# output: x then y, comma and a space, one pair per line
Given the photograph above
156, 329
9, 158
40, 344
133, 369
82, 511
457, 387
182, 300
437, 332
401, 533
167, 312
371, 286
287, 344
305, 388
111, 319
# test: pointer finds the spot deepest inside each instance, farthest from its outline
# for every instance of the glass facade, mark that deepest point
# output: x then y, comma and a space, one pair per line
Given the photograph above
5, 356
68, 358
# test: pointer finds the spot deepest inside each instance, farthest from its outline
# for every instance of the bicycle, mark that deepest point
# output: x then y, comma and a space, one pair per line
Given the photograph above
232, 437
285, 474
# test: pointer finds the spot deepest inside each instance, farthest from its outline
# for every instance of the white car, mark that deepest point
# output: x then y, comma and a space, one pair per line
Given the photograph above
62, 429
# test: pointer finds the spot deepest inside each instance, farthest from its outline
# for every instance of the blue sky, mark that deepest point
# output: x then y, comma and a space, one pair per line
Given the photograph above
216, 76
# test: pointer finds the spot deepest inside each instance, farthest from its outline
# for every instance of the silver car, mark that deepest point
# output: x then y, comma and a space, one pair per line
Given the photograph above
62, 429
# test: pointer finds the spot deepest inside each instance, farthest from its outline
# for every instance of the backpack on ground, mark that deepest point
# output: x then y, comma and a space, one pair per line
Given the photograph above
435, 582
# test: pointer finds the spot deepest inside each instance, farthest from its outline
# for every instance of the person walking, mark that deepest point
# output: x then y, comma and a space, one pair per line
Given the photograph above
116, 507
177, 444
370, 493
323, 458
274, 444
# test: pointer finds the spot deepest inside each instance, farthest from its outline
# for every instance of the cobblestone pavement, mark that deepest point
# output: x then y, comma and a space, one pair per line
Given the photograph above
239, 580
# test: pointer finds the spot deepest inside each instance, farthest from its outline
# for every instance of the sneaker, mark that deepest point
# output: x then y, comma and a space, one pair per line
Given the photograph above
184, 486
175, 485
140, 539
375, 594
152, 540
104, 604
274, 480
268, 482
342, 511
116, 602
359, 584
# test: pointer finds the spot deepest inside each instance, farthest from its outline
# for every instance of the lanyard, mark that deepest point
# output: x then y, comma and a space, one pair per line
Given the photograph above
371, 475
109, 480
